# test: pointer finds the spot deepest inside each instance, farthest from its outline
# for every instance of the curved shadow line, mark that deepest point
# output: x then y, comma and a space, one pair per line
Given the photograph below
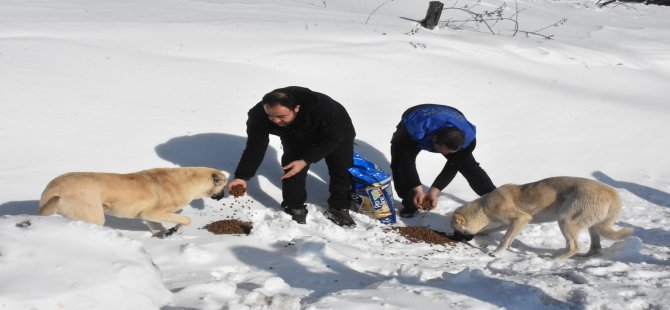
647, 193
283, 262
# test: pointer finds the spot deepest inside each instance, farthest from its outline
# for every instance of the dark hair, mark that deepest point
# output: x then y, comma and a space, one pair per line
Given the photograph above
279, 98
450, 137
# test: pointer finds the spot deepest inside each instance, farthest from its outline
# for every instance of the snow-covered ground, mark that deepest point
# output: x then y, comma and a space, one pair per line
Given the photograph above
126, 85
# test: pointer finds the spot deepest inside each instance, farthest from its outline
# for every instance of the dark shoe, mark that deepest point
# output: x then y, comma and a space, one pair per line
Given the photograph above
340, 217
297, 215
408, 211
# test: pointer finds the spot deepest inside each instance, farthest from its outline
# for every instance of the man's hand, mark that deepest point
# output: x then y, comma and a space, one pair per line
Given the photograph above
236, 182
418, 195
293, 168
431, 197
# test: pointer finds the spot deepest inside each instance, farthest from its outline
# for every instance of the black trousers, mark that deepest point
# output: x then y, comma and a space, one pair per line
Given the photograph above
338, 162
405, 176
464, 162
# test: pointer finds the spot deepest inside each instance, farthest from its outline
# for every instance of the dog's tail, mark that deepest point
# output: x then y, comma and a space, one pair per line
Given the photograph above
605, 229
48, 206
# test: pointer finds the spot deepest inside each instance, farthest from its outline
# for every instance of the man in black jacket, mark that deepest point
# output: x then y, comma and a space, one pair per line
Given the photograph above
311, 126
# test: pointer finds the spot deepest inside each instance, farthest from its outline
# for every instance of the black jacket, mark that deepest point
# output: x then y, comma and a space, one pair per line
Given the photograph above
320, 126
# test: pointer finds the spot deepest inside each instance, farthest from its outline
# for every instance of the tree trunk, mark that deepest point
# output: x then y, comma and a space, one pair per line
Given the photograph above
434, 13
657, 2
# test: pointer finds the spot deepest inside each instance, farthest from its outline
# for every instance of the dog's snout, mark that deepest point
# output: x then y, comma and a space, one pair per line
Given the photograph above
219, 195
459, 236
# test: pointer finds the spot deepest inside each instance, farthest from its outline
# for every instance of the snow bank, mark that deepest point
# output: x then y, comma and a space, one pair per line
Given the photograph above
79, 266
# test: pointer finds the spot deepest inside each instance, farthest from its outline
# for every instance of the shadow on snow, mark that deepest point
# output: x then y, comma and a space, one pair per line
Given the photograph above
647, 193
285, 264
223, 151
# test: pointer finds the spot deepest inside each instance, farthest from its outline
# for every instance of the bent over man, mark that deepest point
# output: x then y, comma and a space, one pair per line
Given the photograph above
311, 126
438, 129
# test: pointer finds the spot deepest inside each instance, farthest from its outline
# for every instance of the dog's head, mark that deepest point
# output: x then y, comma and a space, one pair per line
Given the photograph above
470, 219
219, 181
459, 224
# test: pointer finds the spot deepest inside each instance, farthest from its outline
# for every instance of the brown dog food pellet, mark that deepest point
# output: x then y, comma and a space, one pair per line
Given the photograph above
425, 205
423, 234
229, 227
238, 191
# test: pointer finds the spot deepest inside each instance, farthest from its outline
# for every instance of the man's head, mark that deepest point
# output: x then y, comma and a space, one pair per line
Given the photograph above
281, 108
448, 140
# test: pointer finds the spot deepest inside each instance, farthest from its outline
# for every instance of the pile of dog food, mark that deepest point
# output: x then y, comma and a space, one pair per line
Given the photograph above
238, 191
418, 234
229, 227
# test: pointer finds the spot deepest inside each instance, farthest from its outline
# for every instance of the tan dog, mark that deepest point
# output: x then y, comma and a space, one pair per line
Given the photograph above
576, 203
152, 195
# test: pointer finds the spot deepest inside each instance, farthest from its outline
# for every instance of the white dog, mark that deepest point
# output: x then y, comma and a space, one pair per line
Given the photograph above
152, 195
576, 203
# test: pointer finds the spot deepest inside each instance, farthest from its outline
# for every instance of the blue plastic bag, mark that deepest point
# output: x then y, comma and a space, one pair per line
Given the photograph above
371, 191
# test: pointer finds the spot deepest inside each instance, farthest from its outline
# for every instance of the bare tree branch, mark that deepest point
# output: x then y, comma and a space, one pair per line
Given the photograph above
375, 10
491, 20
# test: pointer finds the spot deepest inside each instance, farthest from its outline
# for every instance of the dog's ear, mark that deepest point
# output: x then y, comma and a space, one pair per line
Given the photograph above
217, 179
459, 219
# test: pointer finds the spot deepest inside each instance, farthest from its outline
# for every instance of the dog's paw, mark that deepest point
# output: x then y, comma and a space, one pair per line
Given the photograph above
172, 231
176, 230
158, 234
497, 252
589, 253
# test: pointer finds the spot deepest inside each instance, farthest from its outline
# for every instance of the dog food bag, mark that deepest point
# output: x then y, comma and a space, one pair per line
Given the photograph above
371, 191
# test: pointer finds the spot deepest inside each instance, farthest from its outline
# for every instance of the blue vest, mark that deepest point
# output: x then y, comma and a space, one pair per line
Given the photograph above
423, 122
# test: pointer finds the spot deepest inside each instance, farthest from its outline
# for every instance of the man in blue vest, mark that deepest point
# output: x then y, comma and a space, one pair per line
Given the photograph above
438, 129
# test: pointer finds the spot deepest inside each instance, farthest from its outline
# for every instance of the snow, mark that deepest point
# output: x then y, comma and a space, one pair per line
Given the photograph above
85, 266
126, 85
